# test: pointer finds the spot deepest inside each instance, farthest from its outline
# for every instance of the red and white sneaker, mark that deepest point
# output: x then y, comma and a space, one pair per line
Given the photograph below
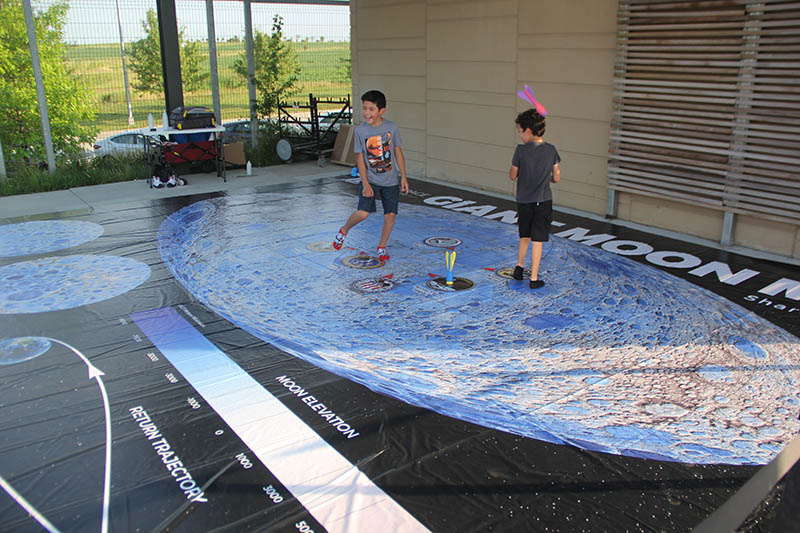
338, 241
383, 255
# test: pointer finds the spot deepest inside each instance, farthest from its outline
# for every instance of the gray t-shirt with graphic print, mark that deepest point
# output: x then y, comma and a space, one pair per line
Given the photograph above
377, 145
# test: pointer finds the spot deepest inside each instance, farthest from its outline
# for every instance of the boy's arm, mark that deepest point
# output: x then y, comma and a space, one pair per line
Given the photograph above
366, 188
401, 164
556, 174
513, 173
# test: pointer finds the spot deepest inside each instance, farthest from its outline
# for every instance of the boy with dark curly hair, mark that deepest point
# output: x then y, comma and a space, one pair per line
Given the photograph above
534, 166
382, 167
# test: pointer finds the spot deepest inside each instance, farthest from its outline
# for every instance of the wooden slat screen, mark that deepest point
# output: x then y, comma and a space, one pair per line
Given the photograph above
707, 104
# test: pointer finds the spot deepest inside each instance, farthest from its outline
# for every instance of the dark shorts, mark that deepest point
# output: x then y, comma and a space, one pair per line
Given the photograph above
389, 196
534, 220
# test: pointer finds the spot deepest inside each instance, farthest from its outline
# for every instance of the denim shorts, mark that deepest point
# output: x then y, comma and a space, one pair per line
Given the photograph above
389, 196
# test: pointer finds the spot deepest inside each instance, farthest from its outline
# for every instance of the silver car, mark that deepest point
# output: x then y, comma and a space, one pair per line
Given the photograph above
240, 130
121, 143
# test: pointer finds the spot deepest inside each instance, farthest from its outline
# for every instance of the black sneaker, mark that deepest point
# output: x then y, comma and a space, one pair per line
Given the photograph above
536, 284
518, 273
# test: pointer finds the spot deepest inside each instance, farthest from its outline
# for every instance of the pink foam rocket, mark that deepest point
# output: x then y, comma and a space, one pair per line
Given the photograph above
527, 94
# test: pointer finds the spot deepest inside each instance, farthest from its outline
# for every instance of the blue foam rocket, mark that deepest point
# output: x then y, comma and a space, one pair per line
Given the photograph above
450, 261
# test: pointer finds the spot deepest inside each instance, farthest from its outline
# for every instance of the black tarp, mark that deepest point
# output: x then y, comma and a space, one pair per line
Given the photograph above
448, 474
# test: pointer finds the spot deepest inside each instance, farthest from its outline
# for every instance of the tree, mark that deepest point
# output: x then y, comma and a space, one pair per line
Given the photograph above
69, 102
276, 68
193, 75
346, 69
145, 56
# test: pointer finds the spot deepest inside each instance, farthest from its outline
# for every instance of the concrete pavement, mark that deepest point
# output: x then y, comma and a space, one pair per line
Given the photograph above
85, 200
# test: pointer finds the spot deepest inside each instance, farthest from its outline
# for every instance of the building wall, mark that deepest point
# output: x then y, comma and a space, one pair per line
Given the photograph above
388, 49
451, 70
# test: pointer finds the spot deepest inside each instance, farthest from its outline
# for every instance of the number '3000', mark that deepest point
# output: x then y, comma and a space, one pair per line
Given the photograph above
270, 491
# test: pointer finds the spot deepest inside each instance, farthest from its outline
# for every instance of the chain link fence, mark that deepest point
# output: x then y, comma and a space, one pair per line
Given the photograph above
102, 38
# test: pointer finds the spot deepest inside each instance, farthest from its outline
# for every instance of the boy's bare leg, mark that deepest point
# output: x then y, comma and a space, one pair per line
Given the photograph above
524, 242
388, 226
355, 218
536, 258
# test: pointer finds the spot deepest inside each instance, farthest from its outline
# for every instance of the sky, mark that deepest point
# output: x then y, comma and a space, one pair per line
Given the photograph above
95, 21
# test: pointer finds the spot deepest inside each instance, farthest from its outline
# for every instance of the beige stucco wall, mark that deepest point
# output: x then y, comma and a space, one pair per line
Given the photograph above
451, 70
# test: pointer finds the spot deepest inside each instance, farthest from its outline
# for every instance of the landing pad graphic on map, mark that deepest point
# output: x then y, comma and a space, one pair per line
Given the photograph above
42, 236
573, 362
55, 283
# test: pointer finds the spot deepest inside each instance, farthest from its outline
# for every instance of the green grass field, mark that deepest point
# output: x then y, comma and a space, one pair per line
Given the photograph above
99, 67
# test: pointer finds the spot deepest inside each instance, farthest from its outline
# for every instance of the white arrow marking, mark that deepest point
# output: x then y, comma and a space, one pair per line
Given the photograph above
94, 373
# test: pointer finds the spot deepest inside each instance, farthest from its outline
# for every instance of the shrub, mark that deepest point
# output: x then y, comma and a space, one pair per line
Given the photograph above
78, 172
264, 154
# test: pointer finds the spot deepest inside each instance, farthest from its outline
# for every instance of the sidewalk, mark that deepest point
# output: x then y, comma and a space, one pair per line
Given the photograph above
84, 200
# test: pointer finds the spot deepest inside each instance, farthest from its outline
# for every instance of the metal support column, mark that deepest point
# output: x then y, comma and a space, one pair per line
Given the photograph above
727, 229
170, 54
124, 67
2, 163
40, 96
251, 72
212, 54
611, 205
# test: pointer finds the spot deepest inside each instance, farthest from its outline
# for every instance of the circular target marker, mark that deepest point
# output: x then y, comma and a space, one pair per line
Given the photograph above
322, 246
459, 284
369, 286
508, 273
442, 242
362, 261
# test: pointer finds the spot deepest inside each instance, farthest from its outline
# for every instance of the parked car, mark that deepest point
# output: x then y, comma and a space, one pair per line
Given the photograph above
334, 119
122, 143
32, 157
240, 129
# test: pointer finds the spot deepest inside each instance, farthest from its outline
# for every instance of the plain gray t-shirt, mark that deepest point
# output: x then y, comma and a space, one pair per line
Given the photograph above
535, 162
378, 146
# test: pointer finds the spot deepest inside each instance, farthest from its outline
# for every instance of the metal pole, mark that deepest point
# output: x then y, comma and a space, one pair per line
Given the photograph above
170, 54
37, 76
212, 55
730, 515
727, 228
2, 163
251, 72
611, 204
124, 67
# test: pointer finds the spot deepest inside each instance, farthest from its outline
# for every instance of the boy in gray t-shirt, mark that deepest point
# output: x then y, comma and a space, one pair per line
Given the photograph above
534, 166
381, 166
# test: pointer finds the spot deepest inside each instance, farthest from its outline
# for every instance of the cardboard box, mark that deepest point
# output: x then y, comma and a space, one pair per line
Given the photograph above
234, 153
343, 147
